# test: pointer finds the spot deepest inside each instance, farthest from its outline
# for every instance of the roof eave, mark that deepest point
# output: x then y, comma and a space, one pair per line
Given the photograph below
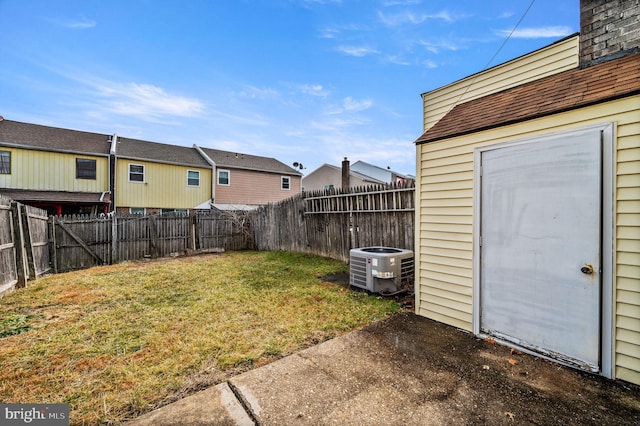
421, 141
49, 149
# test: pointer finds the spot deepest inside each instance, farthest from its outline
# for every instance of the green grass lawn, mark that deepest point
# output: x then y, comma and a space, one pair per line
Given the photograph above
117, 341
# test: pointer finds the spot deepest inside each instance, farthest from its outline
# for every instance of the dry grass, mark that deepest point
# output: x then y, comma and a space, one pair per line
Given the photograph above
117, 341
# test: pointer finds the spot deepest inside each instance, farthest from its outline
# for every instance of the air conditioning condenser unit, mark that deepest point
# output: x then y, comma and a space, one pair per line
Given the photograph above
380, 269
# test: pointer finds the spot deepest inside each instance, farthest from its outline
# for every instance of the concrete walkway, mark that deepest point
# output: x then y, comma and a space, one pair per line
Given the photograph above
407, 370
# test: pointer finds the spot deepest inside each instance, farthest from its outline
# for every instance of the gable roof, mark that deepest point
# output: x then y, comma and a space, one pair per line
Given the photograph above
364, 168
135, 149
353, 173
561, 92
248, 162
35, 136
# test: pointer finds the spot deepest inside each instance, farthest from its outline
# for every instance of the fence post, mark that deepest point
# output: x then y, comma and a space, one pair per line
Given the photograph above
114, 239
354, 230
192, 229
153, 236
53, 248
28, 242
18, 238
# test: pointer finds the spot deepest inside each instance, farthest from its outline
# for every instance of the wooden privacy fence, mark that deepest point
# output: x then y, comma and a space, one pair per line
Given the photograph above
24, 244
330, 223
327, 223
80, 242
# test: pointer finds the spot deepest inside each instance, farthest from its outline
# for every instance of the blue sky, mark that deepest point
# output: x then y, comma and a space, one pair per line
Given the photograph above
307, 81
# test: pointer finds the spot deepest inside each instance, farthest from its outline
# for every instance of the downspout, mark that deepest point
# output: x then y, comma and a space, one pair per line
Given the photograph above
112, 170
213, 170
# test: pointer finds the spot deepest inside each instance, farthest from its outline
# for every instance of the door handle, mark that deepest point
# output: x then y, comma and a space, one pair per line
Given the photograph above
587, 269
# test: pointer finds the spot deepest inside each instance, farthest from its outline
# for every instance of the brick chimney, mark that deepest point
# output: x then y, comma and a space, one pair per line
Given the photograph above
609, 29
346, 172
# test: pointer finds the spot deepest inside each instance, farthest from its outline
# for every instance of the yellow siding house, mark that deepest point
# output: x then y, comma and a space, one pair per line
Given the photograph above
62, 171
159, 178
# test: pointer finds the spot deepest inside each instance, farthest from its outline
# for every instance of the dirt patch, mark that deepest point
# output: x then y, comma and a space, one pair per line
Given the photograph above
488, 383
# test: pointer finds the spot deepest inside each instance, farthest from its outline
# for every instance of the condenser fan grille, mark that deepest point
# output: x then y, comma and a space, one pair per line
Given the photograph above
359, 271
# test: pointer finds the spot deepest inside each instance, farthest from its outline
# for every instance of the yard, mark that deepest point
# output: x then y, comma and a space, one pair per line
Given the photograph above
117, 341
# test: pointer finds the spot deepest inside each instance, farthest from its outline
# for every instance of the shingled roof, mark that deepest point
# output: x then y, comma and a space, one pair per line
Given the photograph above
35, 136
248, 162
561, 92
135, 149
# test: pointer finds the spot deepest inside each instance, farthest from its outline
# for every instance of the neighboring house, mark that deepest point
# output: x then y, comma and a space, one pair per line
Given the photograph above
385, 175
74, 172
244, 182
153, 177
330, 177
528, 199
62, 171
360, 174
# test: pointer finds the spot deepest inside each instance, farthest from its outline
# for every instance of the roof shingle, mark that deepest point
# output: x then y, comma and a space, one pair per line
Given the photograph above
159, 152
248, 162
35, 136
568, 90
47, 138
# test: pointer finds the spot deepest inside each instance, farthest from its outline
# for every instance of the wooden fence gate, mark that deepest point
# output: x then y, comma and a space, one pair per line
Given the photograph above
8, 267
24, 245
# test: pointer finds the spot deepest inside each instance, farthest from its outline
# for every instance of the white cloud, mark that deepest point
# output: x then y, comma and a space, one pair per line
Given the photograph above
396, 59
358, 51
353, 105
540, 32
329, 33
350, 105
507, 14
429, 64
336, 124
79, 24
436, 47
245, 119
413, 18
314, 90
306, 3
401, 2
253, 92
146, 101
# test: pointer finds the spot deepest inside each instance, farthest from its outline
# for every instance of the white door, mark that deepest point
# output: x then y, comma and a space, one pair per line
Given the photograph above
540, 246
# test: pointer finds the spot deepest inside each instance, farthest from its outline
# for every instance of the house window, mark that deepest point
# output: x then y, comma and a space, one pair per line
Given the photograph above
85, 168
327, 187
137, 210
224, 177
193, 178
5, 162
285, 182
175, 212
136, 173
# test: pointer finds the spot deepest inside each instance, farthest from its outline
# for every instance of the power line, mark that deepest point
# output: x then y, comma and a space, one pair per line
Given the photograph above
493, 57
